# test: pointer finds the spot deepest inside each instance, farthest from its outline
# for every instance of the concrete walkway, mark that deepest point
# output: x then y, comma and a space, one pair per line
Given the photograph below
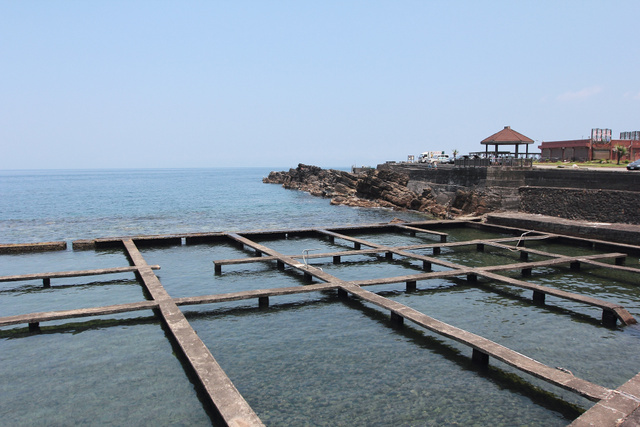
582, 167
612, 232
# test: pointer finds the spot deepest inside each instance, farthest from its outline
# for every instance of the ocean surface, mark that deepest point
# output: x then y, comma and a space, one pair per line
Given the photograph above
53, 205
309, 359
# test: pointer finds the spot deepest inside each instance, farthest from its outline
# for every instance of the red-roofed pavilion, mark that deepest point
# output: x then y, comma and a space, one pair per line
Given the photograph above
507, 136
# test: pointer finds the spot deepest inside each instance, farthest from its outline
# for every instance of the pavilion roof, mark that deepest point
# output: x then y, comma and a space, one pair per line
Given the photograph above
507, 136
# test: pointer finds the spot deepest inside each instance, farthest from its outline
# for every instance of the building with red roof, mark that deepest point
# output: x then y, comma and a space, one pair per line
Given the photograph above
594, 148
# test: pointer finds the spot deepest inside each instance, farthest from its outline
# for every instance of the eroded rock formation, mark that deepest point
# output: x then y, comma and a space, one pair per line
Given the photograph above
372, 188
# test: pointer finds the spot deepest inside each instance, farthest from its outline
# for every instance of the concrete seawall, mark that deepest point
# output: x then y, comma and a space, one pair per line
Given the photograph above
591, 195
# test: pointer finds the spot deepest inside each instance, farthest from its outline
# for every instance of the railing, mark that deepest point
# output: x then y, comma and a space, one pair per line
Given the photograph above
498, 162
472, 163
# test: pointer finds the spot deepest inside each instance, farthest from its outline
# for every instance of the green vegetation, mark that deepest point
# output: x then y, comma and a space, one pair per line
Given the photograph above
620, 152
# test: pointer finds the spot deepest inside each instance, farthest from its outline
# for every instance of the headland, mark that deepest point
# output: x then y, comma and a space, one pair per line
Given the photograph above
575, 194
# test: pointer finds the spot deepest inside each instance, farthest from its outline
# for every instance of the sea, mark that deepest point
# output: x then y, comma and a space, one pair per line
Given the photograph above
307, 359
53, 205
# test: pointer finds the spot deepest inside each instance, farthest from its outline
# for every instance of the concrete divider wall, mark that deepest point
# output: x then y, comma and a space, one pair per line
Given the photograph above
610, 232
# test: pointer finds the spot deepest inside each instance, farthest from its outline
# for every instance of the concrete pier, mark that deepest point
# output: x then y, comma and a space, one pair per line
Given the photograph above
46, 277
32, 247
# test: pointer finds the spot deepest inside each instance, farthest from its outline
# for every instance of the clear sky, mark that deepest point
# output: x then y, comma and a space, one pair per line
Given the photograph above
122, 84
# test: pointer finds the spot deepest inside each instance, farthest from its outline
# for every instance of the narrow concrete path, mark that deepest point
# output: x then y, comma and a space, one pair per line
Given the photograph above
233, 409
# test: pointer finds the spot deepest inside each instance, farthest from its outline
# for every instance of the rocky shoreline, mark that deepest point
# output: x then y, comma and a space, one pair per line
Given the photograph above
374, 188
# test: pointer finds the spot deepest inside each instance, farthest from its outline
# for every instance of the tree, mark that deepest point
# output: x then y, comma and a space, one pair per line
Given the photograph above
455, 153
620, 151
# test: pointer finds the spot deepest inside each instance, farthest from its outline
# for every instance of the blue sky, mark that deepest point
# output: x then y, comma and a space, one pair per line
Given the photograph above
122, 84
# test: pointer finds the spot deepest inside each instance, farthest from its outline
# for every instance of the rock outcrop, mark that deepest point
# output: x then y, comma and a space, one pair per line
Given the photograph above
371, 188
591, 195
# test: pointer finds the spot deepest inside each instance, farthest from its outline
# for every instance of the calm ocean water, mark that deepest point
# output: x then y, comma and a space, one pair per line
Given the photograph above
79, 204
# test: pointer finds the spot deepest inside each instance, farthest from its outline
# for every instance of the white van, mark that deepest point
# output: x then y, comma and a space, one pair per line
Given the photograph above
429, 156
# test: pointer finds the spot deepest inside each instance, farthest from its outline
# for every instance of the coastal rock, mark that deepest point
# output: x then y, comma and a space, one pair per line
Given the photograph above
372, 188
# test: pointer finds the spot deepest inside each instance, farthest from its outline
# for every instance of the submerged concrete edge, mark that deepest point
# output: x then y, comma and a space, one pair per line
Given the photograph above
620, 408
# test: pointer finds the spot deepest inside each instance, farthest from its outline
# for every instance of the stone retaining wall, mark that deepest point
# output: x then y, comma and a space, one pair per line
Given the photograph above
582, 204
580, 194
518, 177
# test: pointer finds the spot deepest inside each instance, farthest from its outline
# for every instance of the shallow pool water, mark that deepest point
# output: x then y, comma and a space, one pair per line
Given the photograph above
311, 359
95, 373
330, 363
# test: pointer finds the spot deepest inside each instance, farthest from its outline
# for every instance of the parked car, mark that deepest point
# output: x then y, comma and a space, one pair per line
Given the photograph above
634, 166
444, 159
